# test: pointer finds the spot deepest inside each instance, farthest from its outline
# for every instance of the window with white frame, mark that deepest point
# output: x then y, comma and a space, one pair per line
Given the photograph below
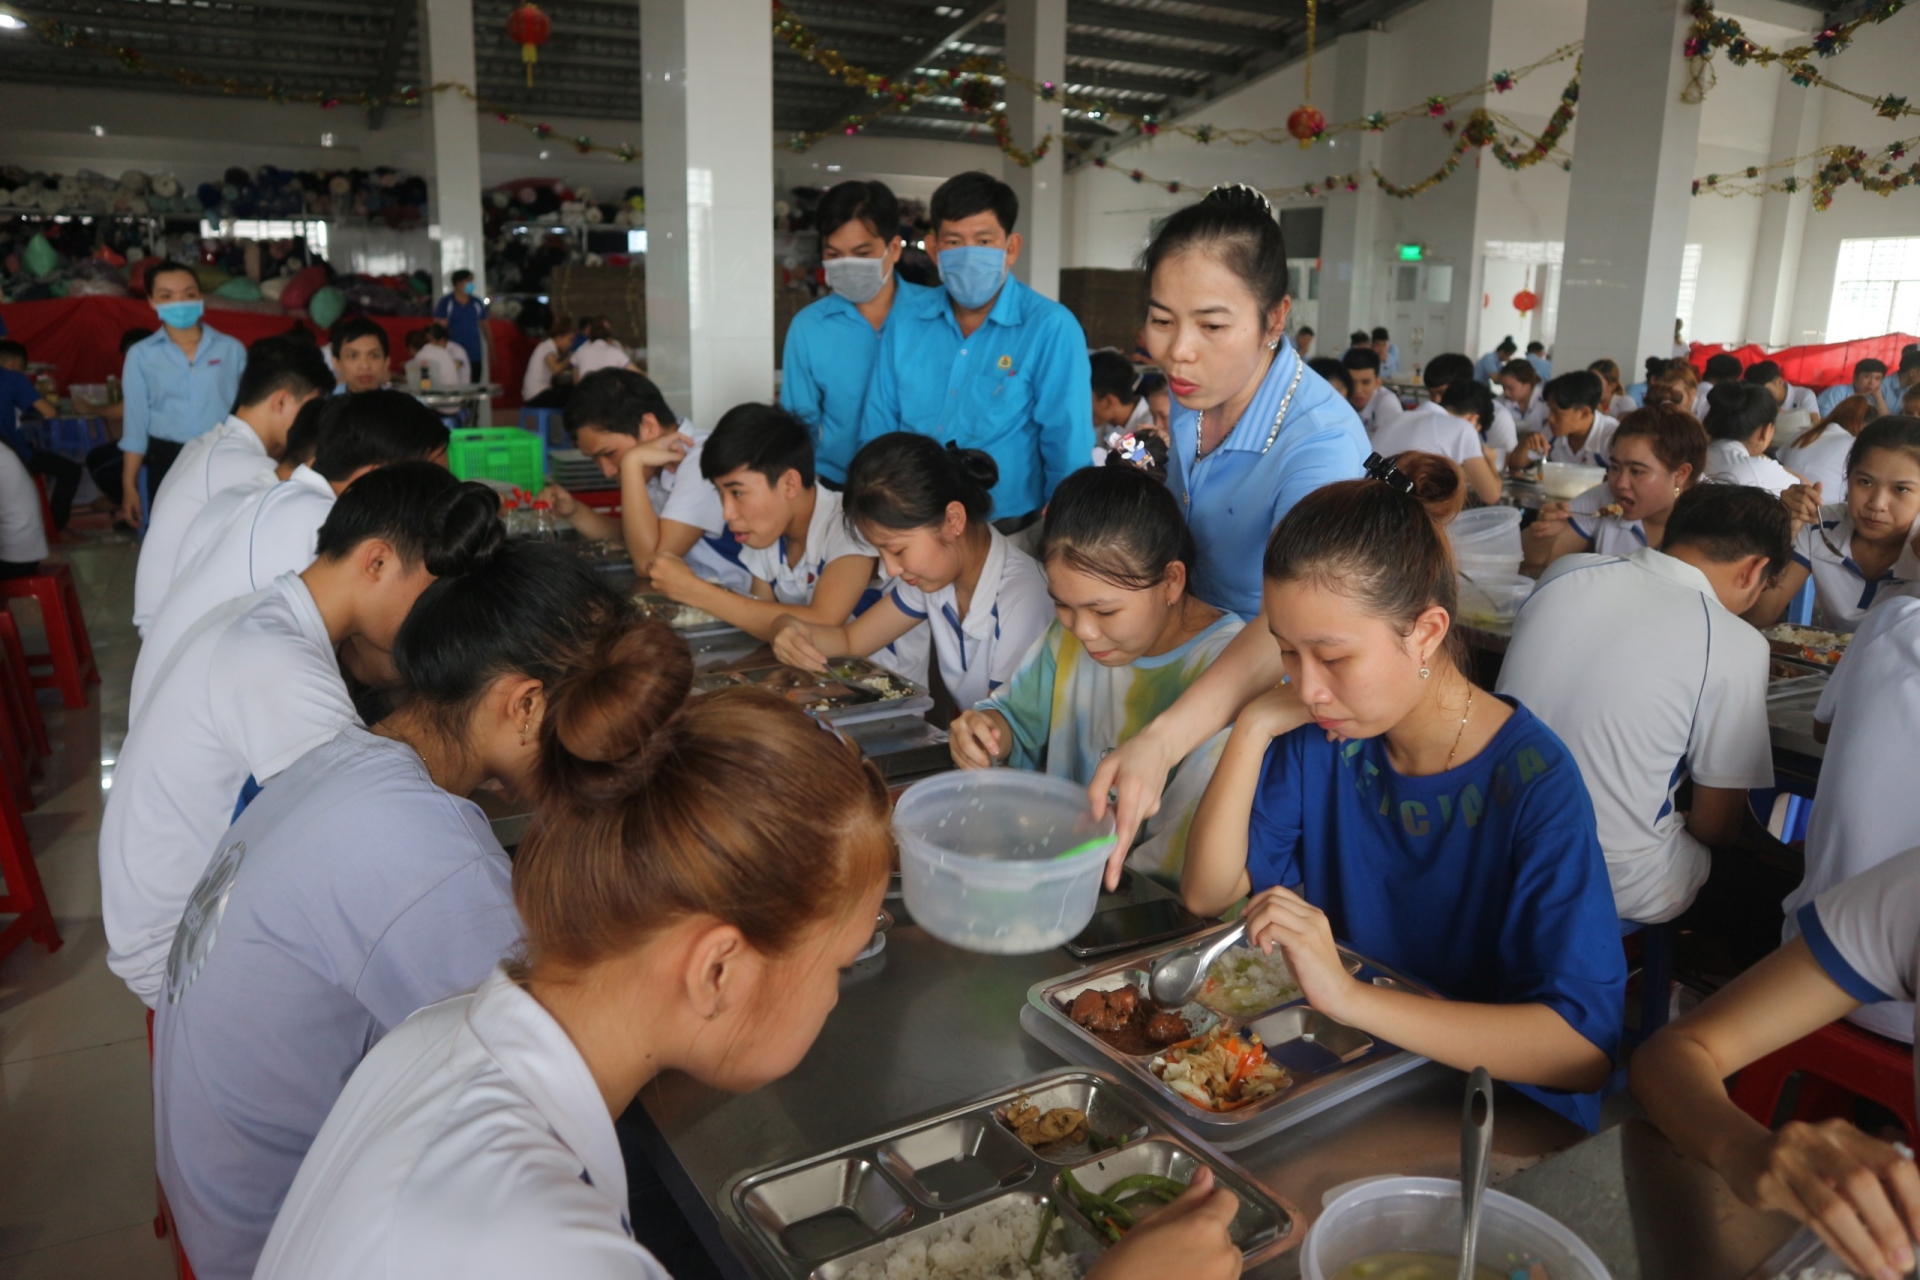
1876, 289
1689, 288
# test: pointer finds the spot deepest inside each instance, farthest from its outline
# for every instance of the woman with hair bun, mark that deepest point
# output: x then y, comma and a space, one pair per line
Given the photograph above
361, 885
924, 508
675, 921
1381, 798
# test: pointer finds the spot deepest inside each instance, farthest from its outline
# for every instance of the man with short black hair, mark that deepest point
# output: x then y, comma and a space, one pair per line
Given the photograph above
1303, 341
1376, 405
1537, 357
1720, 368
984, 361
361, 355
1869, 375
1643, 667
176, 384
1384, 347
1790, 399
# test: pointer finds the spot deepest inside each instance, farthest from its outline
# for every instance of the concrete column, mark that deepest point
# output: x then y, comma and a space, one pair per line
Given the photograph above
1037, 49
447, 28
707, 126
1628, 201
1349, 252
1783, 218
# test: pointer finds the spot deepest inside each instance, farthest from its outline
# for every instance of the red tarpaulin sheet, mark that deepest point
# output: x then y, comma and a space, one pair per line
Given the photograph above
80, 337
1819, 367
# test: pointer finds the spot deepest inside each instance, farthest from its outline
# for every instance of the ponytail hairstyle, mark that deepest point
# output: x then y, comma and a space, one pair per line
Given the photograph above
422, 512
1237, 225
1675, 436
904, 480
654, 826
1894, 431
1609, 375
1850, 415
1438, 482
1375, 542
1117, 524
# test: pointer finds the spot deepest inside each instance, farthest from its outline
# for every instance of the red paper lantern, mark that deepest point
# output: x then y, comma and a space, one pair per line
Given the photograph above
1525, 301
528, 26
1306, 123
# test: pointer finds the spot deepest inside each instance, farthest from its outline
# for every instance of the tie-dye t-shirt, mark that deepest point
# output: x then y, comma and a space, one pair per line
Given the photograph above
1067, 712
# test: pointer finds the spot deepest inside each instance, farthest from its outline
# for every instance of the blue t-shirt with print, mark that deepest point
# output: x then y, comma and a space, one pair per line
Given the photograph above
18, 395
1486, 881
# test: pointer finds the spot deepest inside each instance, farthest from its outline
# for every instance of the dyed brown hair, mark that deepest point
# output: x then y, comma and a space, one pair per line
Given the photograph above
1438, 482
1676, 437
1609, 377
1850, 415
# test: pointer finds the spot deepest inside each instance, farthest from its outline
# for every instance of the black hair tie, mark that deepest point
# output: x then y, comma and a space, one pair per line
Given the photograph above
1383, 469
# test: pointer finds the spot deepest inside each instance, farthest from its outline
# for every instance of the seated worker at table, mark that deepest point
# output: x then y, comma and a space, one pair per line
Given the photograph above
619, 419
176, 384
924, 508
984, 360
549, 378
1740, 425
1497, 432
1657, 455
103, 461
1719, 371
1614, 400
1453, 432
1380, 798
360, 354
1790, 399
255, 686
1576, 430
1378, 406
362, 884
1859, 946
1639, 729
441, 364
1537, 357
832, 343
246, 537
1856, 549
672, 924
1119, 404
1303, 342
804, 561
23, 534
1487, 368
1869, 376
19, 395
1819, 454
1520, 383
282, 375
1128, 637
1387, 349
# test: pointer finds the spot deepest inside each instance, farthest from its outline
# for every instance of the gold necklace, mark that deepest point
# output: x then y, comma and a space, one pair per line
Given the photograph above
1461, 732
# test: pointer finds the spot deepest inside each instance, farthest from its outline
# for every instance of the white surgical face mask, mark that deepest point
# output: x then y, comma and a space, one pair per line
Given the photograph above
858, 280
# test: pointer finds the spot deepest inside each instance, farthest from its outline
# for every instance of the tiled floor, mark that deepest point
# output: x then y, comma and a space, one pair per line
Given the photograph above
76, 1114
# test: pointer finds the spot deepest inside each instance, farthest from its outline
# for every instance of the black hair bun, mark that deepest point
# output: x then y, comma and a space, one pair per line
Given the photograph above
467, 520
1240, 198
976, 464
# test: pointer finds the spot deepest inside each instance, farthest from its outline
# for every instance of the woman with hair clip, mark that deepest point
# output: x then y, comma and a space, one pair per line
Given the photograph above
362, 884
1380, 798
675, 921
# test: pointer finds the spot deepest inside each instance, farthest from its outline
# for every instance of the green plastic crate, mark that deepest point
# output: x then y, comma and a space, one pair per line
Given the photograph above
499, 453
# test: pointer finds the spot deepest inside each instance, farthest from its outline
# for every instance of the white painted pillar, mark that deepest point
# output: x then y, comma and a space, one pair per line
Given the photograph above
1037, 49
447, 27
707, 126
1635, 146
1349, 252
1783, 218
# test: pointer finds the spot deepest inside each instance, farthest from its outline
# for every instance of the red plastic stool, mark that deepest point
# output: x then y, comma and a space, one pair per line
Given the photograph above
24, 899
1836, 1064
46, 508
17, 761
70, 653
16, 686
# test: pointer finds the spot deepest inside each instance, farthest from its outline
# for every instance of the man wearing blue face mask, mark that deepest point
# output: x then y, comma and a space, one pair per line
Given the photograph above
177, 384
984, 361
831, 344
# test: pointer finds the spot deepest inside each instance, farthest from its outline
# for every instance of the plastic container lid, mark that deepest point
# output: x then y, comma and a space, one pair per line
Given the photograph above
1493, 596
1000, 860
1422, 1215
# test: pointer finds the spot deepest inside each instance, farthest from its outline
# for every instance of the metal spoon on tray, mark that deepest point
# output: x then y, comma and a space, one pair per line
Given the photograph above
1476, 1144
1177, 975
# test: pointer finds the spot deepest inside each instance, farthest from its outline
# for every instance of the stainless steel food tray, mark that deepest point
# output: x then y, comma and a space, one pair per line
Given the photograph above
656, 606
821, 1217
1329, 1061
848, 675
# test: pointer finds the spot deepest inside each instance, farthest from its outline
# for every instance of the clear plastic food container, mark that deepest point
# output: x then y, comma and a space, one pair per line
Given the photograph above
1422, 1215
1493, 597
1564, 481
1000, 860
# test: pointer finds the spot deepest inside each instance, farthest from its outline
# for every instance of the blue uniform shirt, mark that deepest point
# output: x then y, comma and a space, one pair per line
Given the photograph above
824, 371
1542, 366
18, 395
1020, 388
1486, 882
1488, 366
463, 326
169, 397
1233, 497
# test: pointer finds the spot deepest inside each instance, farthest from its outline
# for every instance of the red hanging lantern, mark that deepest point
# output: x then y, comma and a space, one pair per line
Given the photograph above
1525, 301
1306, 123
528, 26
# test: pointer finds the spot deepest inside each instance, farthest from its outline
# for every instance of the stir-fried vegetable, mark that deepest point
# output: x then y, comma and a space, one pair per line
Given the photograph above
1220, 1071
1119, 1208
1047, 1215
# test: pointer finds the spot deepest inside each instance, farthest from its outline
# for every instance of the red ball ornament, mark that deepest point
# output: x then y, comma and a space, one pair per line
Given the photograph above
528, 26
1306, 123
1525, 301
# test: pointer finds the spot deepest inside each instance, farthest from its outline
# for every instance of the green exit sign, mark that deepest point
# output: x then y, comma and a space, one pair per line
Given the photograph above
1411, 252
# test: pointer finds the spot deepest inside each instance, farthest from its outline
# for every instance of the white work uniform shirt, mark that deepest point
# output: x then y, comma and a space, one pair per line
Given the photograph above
1728, 462
1430, 429
352, 893
1608, 535
1502, 434
1531, 418
597, 355
1381, 411
1801, 400
1822, 460
23, 532
683, 494
1865, 932
244, 695
231, 454
446, 366
270, 532
1579, 660
538, 378
1010, 610
1867, 808
472, 1144
1593, 450
1841, 595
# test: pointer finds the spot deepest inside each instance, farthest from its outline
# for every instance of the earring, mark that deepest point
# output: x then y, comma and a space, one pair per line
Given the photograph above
524, 728
1425, 672
1274, 345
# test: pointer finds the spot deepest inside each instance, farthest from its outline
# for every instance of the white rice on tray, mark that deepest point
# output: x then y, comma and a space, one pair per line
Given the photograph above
991, 1246
1245, 980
